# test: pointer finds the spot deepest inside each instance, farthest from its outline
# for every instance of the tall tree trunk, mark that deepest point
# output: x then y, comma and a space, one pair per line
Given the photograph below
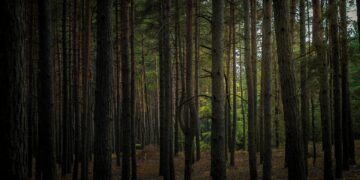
104, 74
348, 139
324, 89
303, 83
253, 56
267, 58
251, 97
189, 123
46, 116
197, 85
165, 91
295, 161
118, 137
86, 28
65, 90
132, 100
218, 165
232, 43
334, 57
358, 17
313, 128
127, 91
76, 102
13, 124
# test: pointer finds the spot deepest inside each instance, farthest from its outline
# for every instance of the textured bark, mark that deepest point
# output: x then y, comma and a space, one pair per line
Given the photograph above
233, 131
65, 91
126, 95
86, 28
348, 139
334, 58
218, 165
313, 128
189, 123
46, 116
358, 17
196, 84
266, 63
165, 91
104, 74
295, 159
253, 56
13, 124
132, 100
324, 89
303, 83
251, 97
76, 102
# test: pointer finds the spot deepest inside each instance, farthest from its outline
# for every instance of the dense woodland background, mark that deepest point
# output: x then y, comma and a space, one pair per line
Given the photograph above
180, 89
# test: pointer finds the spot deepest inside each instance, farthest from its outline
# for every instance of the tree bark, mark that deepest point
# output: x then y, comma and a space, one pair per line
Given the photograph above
348, 139
13, 124
165, 91
303, 83
266, 63
295, 160
334, 57
233, 131
218, 165
324, 89
251, 97
104, 74
133, 96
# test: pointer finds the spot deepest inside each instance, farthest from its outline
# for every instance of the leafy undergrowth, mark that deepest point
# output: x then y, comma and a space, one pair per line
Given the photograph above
148, 165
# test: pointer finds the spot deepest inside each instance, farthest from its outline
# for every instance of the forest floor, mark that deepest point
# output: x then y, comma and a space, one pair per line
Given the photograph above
148, 165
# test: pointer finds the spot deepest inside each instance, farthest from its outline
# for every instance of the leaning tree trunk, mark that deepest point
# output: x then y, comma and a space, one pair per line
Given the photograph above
295, 161
104, 74
218, 165
13, 125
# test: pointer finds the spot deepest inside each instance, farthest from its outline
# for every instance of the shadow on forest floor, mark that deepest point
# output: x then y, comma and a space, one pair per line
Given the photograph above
148, 165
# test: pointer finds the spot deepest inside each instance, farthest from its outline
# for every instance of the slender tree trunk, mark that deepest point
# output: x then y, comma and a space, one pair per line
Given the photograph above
324, 89
295, 161
253, 56
251, 97
104, 74
197, 85
334, 57
46, 116
76, 93
348, 139
132, 100
303, 83
233, 131
358, 17
127, 89
13, 124
267, 58
86, 28
313, 128
165, 92
218, 165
